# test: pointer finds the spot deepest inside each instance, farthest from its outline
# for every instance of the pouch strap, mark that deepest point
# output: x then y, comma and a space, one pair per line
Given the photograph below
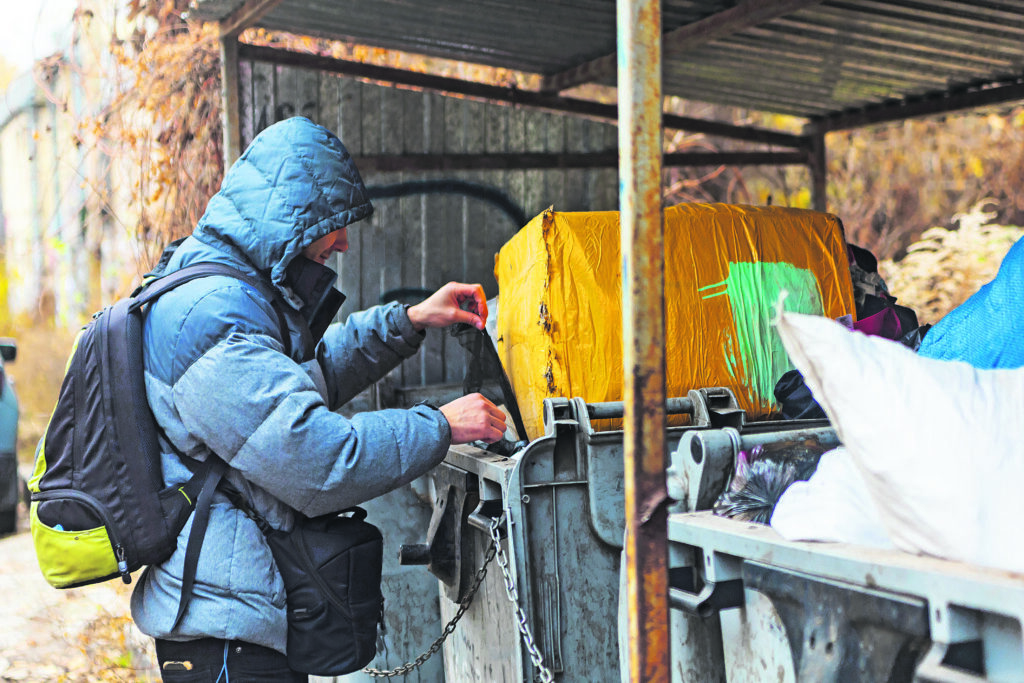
239, 501
195, 536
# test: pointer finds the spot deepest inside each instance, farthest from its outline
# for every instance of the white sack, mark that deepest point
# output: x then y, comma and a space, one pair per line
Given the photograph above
940, 443
833, 505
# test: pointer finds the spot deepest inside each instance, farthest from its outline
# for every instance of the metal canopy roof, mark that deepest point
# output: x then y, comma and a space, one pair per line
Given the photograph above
839, 64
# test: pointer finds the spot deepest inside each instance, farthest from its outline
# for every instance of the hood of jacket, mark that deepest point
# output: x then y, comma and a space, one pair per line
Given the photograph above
294, 184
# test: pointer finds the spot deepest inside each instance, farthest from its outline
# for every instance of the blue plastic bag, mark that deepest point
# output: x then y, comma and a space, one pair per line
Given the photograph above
986, 330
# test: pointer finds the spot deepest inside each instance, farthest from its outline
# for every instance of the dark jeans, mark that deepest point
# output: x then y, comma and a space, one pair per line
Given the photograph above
203, 661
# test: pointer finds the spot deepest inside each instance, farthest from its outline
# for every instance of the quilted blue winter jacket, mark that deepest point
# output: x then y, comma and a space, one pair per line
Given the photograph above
218, 381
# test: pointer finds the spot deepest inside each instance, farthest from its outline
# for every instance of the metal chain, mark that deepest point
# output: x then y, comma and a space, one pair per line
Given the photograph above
463, 606
513, 594
544, 673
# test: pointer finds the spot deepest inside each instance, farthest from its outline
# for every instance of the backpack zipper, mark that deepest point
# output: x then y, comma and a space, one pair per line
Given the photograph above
108, 523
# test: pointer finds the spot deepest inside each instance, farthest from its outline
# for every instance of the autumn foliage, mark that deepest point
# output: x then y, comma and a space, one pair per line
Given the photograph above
165, 117
892, 183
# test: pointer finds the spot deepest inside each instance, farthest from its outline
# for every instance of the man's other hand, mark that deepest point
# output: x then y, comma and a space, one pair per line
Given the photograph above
444, 307
474, 418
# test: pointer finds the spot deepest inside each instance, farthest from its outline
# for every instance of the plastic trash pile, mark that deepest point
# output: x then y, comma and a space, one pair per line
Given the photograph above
930, 422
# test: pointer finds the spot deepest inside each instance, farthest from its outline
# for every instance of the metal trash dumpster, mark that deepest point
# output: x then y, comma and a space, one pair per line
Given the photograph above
746, 605
830, 612
560, 502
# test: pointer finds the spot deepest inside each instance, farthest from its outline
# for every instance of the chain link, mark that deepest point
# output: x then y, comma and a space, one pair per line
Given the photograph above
513, 594
436, 645
544, 673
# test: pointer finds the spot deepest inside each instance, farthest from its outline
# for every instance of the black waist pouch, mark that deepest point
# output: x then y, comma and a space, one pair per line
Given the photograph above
331, 567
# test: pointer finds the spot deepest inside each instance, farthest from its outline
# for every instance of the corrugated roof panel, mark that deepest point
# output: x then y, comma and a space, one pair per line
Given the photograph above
939, 54
805, 80
827, 58
525, 36
840, 56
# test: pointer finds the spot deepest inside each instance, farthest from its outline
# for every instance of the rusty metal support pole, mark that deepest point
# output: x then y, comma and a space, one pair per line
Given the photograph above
643, 336
817, 162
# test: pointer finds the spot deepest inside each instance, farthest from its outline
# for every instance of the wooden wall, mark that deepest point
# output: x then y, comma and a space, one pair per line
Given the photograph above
426, 240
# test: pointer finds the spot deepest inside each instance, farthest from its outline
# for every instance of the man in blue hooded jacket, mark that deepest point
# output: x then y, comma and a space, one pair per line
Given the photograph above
219, 382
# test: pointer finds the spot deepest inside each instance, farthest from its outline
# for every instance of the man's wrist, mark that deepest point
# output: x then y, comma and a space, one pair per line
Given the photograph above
416, 318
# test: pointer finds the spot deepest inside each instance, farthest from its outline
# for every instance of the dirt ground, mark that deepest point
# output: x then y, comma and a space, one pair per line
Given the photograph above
77, 635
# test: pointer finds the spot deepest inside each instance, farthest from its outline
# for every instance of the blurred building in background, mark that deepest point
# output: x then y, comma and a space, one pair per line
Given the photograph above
64, 244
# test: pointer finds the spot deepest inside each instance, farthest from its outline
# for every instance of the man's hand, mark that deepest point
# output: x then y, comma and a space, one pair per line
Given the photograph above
474, 418
444, 307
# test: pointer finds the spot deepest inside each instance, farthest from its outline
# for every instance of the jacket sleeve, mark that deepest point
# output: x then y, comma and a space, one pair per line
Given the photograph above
262, 413
369, 344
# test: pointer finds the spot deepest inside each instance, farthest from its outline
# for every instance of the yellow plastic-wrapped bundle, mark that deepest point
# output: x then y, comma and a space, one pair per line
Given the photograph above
560, 301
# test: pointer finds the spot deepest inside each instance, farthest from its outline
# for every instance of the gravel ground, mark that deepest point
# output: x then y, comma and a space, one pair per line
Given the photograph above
74, 635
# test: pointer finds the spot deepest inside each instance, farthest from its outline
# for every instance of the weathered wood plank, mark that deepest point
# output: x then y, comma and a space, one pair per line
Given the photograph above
349, 129
329, 102
390, 121
246, 105
606, 197
435, 221
494, 222
554, 181
484, 135
286, 88
434, 140
535, 197
393, 224
263, 94
576, 193
411, 127
370, 117
350, 117
308, 96
373, 252
463, 133
516, 180
411, 131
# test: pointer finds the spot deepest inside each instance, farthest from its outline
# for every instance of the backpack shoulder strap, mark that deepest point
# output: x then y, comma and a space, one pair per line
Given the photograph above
206, 478
155, 288
210, 473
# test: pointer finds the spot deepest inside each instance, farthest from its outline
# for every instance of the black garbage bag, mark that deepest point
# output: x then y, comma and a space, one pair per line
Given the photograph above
760, 478
795, 399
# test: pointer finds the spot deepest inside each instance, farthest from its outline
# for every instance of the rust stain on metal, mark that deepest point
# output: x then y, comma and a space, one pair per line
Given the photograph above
645, 416
648, 574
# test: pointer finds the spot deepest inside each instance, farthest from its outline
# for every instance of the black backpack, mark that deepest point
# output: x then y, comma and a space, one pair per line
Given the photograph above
99, 507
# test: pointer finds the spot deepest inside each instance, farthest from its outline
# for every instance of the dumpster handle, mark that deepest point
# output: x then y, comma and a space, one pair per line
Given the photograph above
616, 409
485, 513
711, 598
932, 670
